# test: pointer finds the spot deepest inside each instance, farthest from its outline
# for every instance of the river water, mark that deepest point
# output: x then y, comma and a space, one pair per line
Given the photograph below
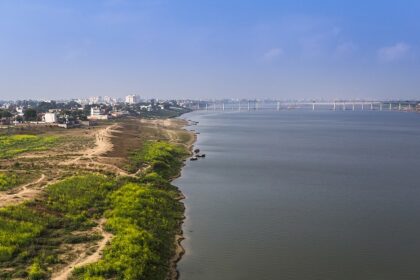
301, 195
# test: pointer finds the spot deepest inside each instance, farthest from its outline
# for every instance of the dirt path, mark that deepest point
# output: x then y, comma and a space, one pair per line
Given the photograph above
85, 259
24, 193
102, 145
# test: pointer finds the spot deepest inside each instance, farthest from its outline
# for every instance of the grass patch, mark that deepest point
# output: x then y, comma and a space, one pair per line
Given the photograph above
144, 218
80, 198
163, 158
13, 145
31, 233
144, 221
9, 179
143, 214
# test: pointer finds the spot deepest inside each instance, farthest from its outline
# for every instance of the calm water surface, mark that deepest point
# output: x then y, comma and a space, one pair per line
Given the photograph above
303, 195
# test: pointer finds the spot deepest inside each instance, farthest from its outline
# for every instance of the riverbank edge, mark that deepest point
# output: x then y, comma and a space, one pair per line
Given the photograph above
179, 251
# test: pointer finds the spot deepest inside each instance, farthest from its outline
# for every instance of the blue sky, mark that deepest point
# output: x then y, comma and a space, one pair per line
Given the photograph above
210, 49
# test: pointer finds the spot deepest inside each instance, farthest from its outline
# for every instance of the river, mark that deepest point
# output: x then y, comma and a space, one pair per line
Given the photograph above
302, 195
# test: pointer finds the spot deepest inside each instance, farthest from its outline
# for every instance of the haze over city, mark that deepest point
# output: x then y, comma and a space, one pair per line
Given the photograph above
209, 49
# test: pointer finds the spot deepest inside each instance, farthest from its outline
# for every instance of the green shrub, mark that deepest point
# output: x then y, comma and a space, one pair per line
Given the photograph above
19, 226
35, 230
163, 157
144, 220
36, 272
80, 197
12, 145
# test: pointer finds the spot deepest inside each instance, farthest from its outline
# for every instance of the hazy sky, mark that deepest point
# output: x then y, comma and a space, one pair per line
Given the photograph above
210, 49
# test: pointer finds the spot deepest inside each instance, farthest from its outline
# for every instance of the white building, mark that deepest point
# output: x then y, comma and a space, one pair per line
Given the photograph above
146, 108
19, 110
97, 114
109, 100
132, 99
95, 100
50, 117
95, 111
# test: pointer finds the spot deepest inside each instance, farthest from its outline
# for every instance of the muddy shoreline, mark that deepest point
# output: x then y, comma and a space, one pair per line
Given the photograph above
179, 237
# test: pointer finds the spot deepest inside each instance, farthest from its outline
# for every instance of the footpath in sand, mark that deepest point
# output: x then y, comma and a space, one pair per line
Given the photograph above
90, 157
112, 146
84, 258
25, 192
34, 189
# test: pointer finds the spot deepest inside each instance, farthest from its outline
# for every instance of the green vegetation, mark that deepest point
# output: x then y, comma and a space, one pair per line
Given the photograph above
143, 214
144, 218
16, 144
19, 226
144, 221
10, 179
30, 115
31, 233
5, 114
164, 159
80, 198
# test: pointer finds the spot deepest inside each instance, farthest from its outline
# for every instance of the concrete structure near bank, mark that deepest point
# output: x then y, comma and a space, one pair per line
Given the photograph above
50, 118
97, 114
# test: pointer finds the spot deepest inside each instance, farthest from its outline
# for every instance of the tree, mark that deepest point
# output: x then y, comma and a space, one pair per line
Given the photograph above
30, 114
5, 114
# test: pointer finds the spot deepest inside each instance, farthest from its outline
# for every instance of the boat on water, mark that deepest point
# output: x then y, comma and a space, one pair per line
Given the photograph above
201, 155
193, 158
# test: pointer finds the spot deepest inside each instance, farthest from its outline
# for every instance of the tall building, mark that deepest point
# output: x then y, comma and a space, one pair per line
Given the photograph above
132, 99
95, 100
109, 100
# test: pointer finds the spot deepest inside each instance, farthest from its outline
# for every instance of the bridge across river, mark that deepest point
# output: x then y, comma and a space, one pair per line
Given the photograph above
349, 105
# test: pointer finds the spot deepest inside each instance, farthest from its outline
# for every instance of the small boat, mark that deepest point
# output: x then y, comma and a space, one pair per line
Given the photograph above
193, 158
202, 155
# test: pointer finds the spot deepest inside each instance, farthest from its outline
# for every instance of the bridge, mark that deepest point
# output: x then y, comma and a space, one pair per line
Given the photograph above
347, 105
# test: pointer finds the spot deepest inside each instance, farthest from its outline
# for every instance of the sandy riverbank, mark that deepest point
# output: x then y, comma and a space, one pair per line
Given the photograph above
179, 237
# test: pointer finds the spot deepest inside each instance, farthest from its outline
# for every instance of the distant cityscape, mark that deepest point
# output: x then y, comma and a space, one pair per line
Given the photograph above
85, 112
78, 112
